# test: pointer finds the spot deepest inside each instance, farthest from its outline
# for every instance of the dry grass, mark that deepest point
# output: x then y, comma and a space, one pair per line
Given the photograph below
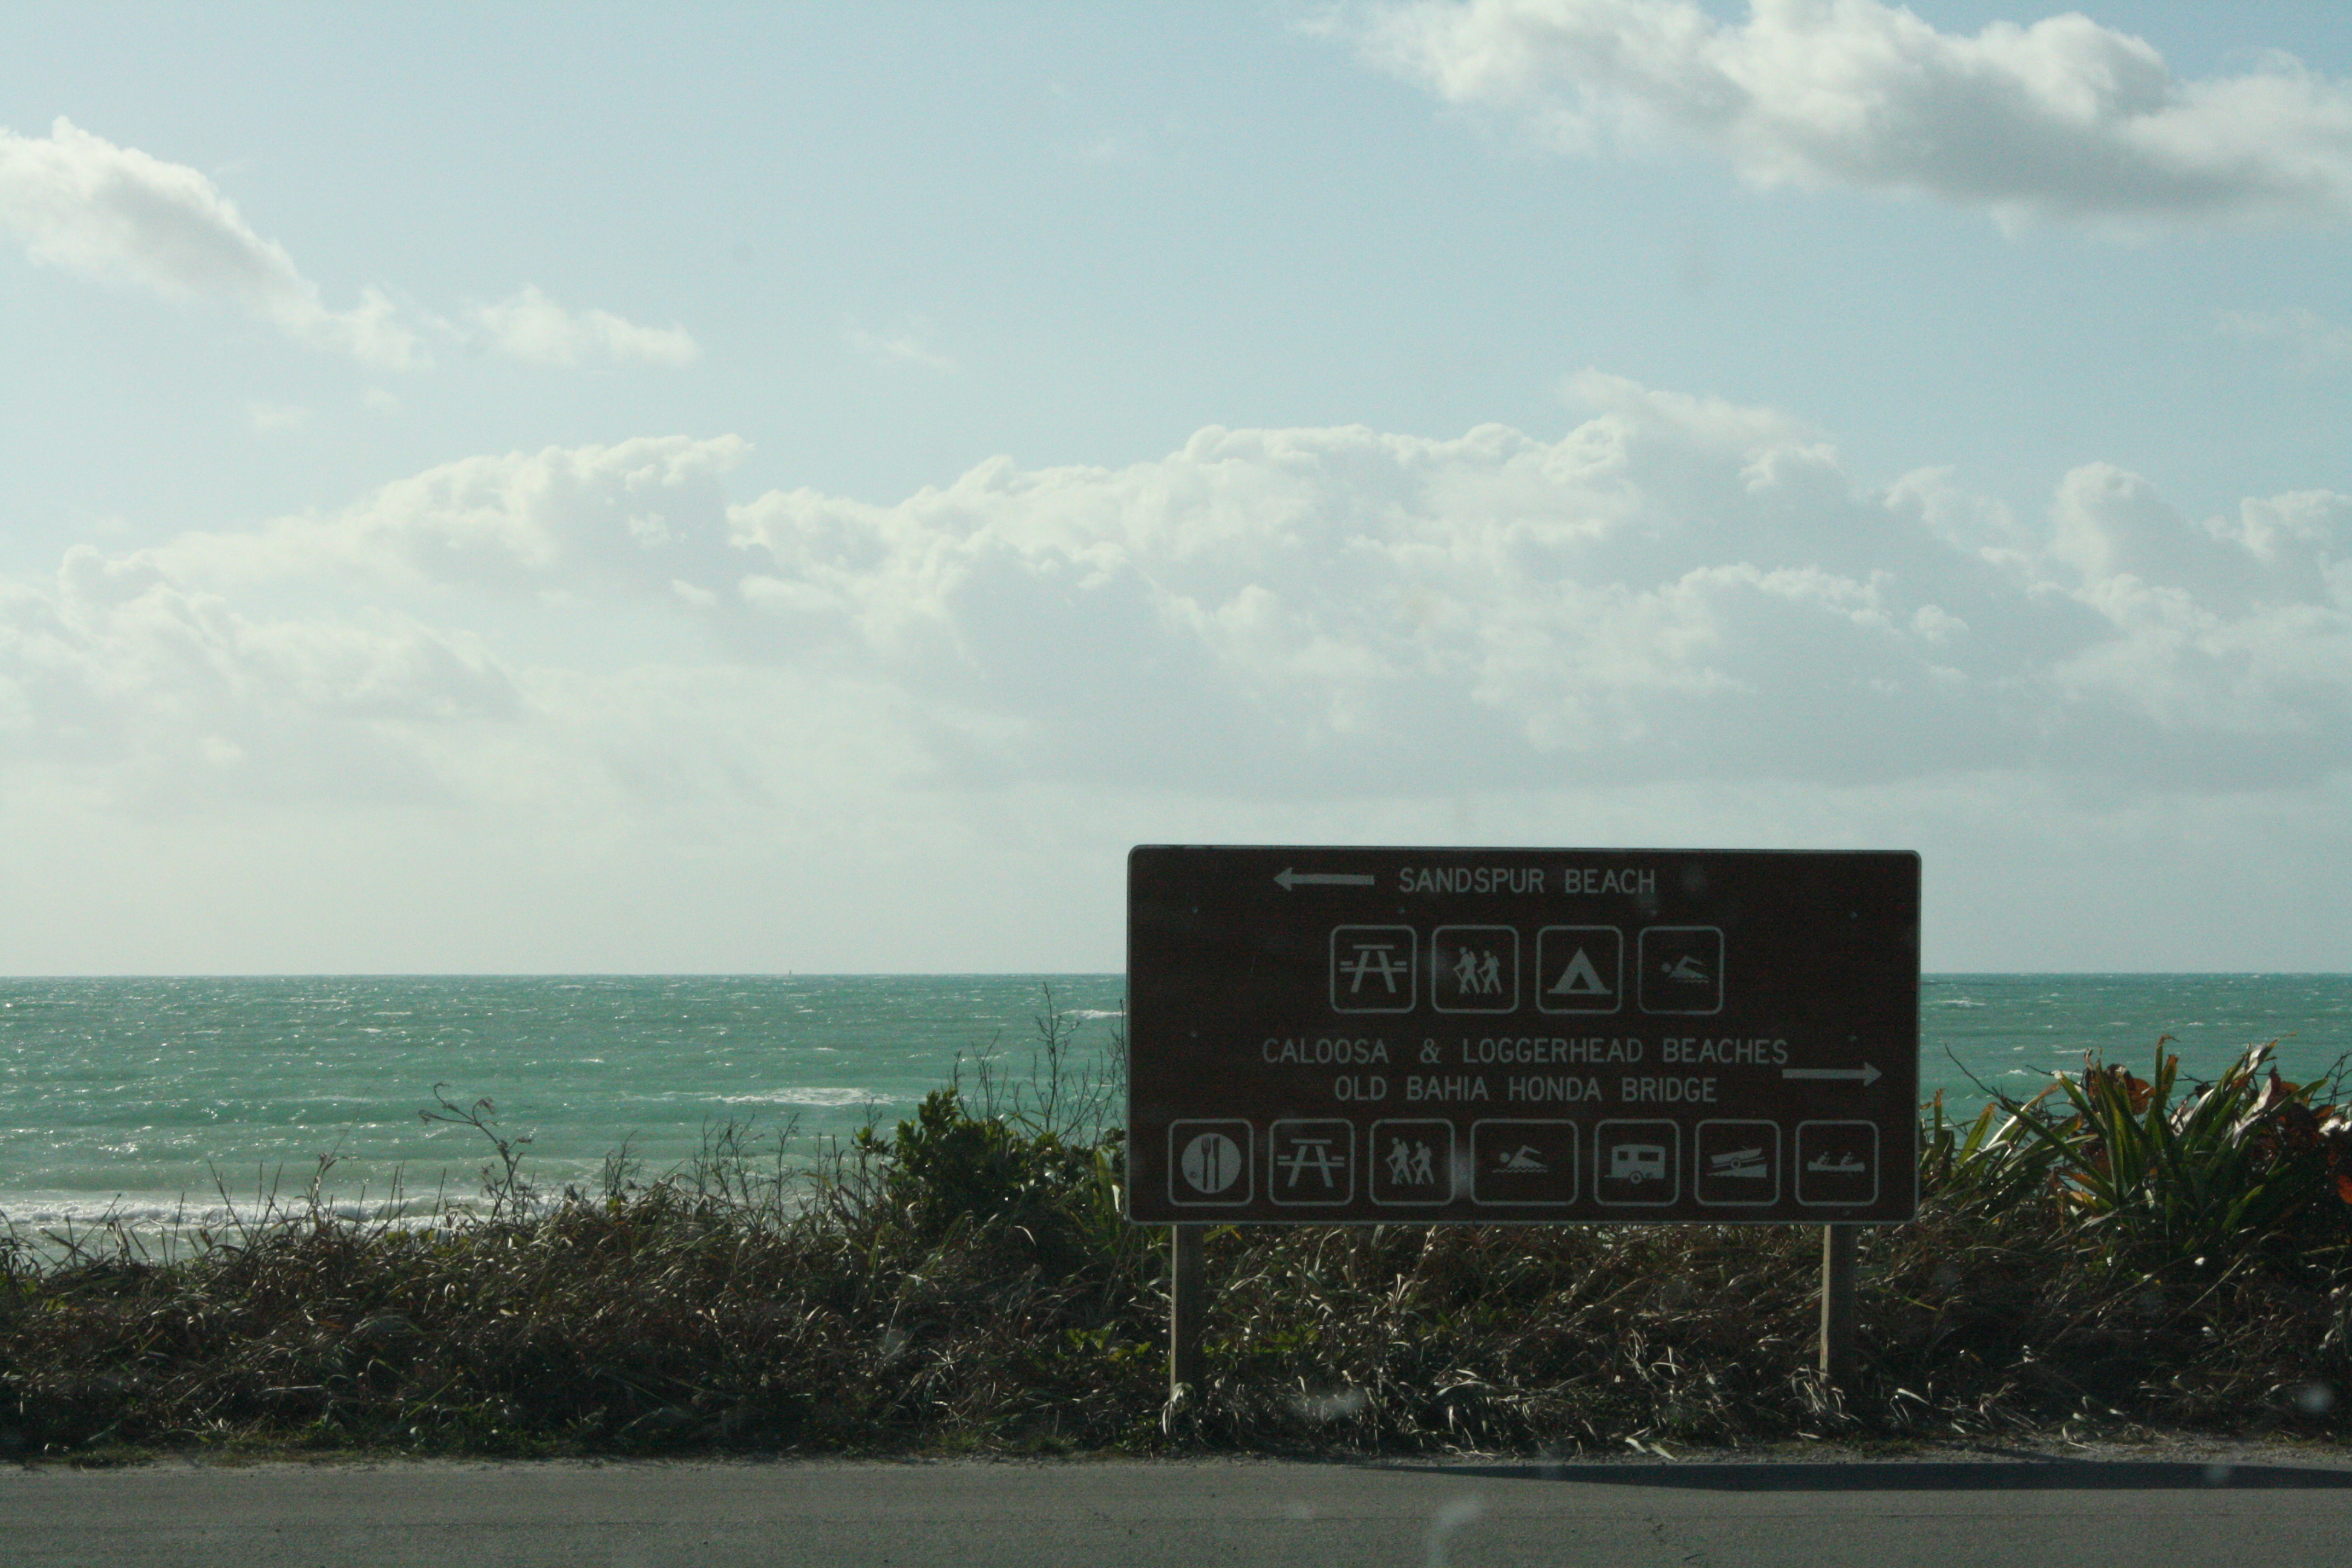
967, 1283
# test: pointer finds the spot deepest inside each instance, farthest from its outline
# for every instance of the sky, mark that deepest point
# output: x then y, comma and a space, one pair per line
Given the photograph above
543, 488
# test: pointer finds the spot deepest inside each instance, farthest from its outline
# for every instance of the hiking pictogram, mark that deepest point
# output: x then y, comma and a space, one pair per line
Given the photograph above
1410, 1165
1412, 1161
1474, 969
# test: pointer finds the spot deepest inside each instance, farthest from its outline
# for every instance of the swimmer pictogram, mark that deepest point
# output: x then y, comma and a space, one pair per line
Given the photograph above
1523, 1162
1682, 969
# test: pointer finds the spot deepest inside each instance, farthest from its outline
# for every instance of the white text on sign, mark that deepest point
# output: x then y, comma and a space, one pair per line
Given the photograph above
1595, 879
1590, 880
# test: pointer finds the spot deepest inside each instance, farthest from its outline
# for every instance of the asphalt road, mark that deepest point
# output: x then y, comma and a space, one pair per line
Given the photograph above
1125, 1515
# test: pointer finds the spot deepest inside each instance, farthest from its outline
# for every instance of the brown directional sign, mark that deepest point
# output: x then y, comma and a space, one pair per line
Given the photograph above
1321, 1035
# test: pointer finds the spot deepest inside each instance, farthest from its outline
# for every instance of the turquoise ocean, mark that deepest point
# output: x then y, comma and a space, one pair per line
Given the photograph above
151, 1098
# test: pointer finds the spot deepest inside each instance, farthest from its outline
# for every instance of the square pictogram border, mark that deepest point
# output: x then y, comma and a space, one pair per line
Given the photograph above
1510, 1001
1671, 1191
1408, 937
1699, 1163
1345, 1192
1798, 1160
1575, 1161
1444, 1169
1616, 977
1642, 965
1180, 1134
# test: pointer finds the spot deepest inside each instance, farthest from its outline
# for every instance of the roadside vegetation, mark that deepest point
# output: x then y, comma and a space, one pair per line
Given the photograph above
2115, 1255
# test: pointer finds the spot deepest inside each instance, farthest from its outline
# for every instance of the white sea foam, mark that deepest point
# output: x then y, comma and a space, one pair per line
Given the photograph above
816, 1095
59, 1223
151, 1086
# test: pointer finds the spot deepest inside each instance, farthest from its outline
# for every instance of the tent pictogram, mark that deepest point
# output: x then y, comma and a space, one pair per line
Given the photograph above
1579, 978
1579, 969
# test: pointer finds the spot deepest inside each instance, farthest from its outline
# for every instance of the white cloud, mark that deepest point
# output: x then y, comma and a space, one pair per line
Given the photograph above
1677, 587
269, 418
1683, 619
164, 694
2065, 118
1102, 152
2315, 339
81, 202
633, 517
532, 327
905, 347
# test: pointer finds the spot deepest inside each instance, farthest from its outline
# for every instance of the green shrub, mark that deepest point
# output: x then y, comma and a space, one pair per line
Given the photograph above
2115, 1254
2152, 1172
948, 1168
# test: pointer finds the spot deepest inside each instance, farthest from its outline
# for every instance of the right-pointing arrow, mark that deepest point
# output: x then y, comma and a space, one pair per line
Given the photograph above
1865, 1075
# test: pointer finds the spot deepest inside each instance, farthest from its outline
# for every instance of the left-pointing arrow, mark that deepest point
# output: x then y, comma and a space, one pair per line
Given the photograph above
1866, 1074
1290, 878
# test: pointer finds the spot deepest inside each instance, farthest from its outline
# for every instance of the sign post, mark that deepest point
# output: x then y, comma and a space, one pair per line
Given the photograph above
1837, 1303
1364, 1035
1187, 1297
